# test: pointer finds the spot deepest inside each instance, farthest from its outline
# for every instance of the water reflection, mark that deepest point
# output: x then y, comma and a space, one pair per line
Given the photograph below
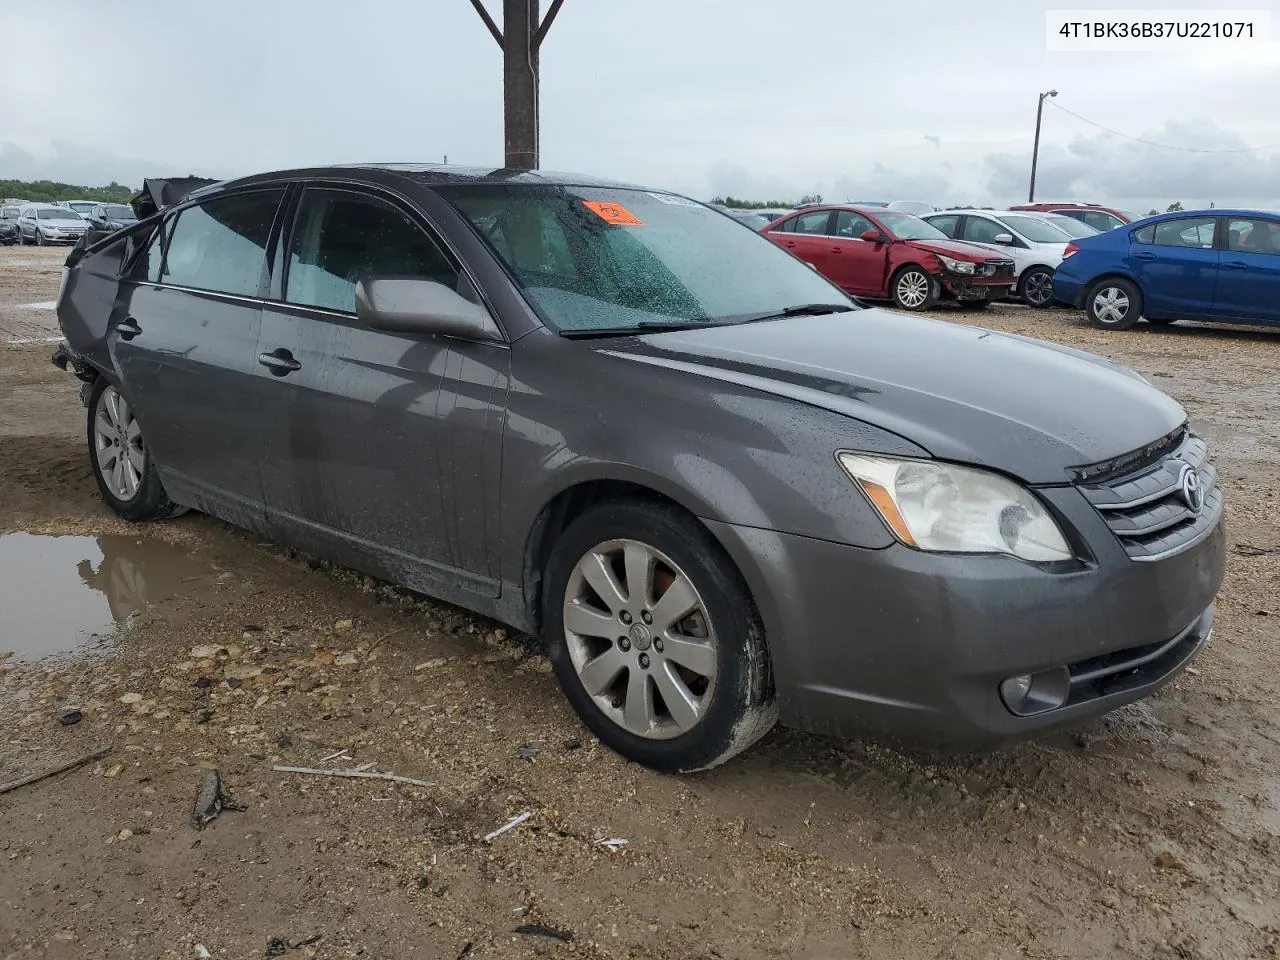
60, 594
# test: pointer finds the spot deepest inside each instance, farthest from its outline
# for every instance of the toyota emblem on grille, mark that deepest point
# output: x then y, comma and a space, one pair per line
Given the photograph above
1191, 488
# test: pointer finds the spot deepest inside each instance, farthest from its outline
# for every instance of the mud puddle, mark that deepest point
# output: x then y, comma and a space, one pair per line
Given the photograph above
67, 595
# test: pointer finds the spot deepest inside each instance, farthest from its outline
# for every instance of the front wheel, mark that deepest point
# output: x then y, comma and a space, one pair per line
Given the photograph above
39, 238
122, 465
654, 638
1113, 304
913, 289
1036, 287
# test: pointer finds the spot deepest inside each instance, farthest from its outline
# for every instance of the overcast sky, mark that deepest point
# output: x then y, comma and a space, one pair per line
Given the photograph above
768, 99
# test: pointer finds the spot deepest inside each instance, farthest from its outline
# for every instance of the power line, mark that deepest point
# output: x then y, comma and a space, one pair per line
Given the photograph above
1152, 143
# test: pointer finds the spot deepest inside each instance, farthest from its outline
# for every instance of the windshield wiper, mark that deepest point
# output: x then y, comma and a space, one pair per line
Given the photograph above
802, 310
644, 326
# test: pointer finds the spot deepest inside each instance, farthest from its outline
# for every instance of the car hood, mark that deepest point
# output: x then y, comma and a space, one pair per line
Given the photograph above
63, 223
1021, 406
954, 248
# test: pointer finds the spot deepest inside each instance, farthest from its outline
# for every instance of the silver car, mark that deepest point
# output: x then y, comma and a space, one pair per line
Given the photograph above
42, 223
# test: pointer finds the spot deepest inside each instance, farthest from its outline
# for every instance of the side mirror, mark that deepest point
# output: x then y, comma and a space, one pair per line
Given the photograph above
1003, 238
871, 236
414, 305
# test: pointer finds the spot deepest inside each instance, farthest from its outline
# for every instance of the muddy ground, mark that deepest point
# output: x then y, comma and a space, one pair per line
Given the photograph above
1155, 832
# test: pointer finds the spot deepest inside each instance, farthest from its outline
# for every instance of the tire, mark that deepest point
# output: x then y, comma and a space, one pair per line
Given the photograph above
722, 676
913, 289
1035, 287
134, 494
1113, 304
39, 238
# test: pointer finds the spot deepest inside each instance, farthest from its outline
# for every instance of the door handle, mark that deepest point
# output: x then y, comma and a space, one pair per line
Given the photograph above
1235, 265
1144, 256
791, 243
280, 362
128, 328
837, 249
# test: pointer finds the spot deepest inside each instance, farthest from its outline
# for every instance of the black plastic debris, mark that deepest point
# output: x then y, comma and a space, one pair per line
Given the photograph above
71, 717
526, 752
541, 930
574, 744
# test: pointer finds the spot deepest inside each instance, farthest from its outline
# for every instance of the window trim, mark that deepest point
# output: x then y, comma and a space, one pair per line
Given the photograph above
825, 233
164, 234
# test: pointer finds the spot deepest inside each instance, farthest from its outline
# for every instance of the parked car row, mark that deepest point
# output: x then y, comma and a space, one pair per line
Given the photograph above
972, 256
51, 223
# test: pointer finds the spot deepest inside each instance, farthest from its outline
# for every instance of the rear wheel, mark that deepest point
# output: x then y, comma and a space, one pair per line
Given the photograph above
1113, 304
654, 638
122, 465
1036, 287
913, 289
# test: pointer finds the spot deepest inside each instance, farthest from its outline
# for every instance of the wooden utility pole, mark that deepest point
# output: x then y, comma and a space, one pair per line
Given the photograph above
521, 38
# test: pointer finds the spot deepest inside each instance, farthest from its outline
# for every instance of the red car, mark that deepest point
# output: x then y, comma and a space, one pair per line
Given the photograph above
1100, 218
886, 255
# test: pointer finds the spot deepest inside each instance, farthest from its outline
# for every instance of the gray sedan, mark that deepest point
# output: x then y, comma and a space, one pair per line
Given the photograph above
721, 491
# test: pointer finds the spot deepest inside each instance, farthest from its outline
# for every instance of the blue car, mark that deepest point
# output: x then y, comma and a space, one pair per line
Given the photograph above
1214, 265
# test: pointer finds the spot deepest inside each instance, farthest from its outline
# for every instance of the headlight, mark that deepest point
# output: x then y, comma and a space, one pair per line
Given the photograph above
942, 507
955, 266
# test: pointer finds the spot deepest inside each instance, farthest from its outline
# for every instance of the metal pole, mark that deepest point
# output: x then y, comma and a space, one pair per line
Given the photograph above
1035, 149
520, 83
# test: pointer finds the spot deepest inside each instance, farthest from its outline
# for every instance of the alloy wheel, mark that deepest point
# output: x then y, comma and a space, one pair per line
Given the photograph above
640, 639
913, 289
1039, 290
117, 443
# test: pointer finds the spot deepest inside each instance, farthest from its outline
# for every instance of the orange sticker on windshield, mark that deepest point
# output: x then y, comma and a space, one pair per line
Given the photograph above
614, 213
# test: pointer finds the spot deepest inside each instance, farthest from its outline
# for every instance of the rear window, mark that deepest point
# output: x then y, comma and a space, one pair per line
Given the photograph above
604, 258
218, 245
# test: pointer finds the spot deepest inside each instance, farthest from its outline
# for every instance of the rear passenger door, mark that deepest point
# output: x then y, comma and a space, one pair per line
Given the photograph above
386, 448
1249, 279
1176, 264
183, 337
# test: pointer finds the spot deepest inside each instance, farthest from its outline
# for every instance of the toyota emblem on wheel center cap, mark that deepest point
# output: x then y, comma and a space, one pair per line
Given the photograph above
640, 636
1191, 488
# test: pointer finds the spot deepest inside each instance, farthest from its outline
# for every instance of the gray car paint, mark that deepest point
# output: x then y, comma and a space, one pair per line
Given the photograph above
450, 459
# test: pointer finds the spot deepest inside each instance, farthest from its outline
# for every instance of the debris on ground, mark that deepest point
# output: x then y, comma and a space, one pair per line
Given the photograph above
541, 930
61, 768
527, 752
70, 718
509, 825
359, 772
211, 800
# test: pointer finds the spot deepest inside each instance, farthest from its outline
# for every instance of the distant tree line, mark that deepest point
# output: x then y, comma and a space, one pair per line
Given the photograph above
48, 191
734, 203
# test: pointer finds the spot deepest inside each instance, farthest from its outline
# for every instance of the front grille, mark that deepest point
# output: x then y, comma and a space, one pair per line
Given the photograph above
1150, 508
994, 268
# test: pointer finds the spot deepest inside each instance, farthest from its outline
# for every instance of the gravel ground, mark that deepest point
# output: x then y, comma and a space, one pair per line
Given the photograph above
1155, 832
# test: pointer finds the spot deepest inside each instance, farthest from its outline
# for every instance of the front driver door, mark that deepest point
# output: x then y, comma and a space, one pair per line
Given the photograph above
388, 446
856, 264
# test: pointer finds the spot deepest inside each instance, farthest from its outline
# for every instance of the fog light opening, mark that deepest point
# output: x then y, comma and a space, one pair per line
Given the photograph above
1028, 694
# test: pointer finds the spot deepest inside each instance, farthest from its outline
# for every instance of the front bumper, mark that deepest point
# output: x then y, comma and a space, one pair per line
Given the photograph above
964, 287
61, 237
913, 647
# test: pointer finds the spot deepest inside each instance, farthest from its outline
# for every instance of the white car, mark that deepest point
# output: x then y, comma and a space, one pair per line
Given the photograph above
82, 207
917, 208
1034, 244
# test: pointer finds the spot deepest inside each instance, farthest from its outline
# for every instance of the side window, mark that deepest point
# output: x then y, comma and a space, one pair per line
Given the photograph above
981, 230
1146, 235
851, 225
1253, 236
946, 224
786, 226
813, 223
1189, 232
1099, 220
219, 245
340, 238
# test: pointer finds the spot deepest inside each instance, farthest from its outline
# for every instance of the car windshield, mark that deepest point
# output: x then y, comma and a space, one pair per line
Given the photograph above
118, 211
904, 226
9, 213
1070, 226
1035, 229
81, 205
56, 213
599, 259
